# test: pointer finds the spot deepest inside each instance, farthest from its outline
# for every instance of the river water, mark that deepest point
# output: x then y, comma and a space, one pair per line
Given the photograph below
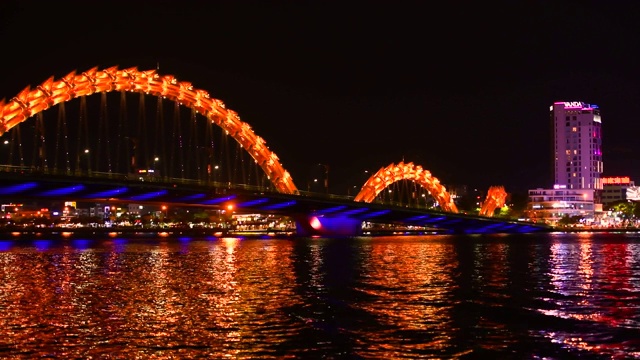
542, 296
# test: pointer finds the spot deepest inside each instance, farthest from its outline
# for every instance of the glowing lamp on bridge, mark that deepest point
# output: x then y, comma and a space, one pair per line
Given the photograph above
315, 223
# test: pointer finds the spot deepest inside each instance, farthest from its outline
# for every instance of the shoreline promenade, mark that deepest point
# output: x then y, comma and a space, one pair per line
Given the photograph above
15, 233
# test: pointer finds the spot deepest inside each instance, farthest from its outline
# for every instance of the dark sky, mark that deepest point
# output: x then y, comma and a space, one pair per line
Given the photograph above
462, 88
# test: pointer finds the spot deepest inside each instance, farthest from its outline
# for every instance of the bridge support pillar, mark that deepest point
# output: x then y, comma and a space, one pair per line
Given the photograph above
328, 226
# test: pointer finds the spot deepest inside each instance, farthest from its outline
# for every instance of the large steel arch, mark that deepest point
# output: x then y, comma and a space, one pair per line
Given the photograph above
52, 92
401, 171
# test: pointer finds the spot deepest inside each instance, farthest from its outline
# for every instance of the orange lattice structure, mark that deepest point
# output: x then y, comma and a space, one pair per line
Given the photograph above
401, 171
52, 92
496, 197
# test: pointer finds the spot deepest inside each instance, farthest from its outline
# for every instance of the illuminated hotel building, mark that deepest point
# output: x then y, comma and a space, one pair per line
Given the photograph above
577, 165
577, 145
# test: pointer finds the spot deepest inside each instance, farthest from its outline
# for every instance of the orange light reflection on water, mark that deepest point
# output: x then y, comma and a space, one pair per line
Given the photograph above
392, 267
223, 294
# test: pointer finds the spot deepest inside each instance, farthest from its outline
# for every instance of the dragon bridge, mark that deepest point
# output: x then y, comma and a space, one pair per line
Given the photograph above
74, 85
406, 171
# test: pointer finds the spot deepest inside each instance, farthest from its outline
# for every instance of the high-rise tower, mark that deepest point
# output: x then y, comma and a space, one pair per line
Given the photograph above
577, 147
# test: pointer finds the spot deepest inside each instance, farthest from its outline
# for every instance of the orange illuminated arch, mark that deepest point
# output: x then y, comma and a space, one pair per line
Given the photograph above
52, 92
401, 171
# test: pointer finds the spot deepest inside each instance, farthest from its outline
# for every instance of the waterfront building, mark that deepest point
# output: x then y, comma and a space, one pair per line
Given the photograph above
576, 165
618, 188
577, 145
551, 205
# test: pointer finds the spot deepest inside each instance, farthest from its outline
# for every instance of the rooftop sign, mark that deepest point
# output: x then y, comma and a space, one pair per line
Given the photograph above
578, 105
615, 180
573, 104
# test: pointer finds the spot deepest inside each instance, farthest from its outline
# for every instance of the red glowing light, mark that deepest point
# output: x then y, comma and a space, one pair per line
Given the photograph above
315, 223
616, 180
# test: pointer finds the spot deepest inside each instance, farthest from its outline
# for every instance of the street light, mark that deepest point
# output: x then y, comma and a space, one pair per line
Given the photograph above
86, 152
6, 142
326, 177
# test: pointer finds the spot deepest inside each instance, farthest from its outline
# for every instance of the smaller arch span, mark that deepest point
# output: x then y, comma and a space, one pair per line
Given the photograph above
52, 92
406, 171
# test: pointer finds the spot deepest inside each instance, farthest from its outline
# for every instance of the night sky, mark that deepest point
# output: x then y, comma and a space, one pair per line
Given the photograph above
462, 88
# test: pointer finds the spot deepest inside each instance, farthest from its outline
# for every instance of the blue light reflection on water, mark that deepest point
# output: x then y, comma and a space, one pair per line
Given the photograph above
81, 244
42, 245
5, 245
435, 296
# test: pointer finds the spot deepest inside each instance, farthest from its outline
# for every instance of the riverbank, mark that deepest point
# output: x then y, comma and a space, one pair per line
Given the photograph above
88, 232
135, 233
596, 230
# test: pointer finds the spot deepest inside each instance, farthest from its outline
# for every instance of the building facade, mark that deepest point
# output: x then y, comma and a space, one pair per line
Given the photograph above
577, 129
618, 188
551, 205
577, 165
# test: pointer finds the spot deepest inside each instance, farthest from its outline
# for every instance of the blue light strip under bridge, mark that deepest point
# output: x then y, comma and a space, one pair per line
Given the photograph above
354, 212
218, 200
64, 191
150, 195
108, 193
418, 218
193, 197
14, 189
280, 206
252, 203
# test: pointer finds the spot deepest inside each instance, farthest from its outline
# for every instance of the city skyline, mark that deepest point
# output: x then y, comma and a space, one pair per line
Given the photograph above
462, 90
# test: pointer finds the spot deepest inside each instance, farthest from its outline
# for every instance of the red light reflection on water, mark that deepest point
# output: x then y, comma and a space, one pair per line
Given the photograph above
592, 278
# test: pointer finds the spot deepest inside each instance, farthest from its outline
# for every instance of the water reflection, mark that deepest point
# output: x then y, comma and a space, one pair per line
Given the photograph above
595, 284
410, 295
212, 298
546, 296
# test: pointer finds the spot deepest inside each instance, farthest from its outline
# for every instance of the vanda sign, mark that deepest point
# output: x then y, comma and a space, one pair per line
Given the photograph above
573, 104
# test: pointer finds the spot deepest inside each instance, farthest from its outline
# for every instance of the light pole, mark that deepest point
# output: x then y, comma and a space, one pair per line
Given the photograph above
326, 177
6, 143
155, 166
86, 152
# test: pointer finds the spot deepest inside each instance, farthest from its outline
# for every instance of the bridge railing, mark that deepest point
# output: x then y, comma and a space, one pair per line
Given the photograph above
132, 177
163, 180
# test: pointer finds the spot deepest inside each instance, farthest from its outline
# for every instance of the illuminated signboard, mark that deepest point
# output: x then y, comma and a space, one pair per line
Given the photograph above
617, 180
573, 104
578, 105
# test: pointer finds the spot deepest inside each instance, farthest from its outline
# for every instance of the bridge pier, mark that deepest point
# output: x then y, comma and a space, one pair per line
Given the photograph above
327, 226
